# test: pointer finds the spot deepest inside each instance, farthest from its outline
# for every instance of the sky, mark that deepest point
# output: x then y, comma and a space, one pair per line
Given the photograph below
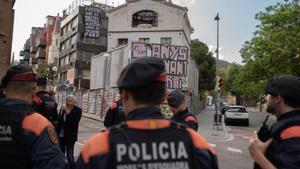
237, 22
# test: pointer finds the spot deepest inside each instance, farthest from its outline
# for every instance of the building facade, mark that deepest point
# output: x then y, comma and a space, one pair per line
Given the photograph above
83, 35
6, 33
53, 51
30, 49
148, 28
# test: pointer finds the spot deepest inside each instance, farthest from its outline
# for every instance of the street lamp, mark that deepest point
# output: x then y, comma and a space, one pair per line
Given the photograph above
105, 67
217, 114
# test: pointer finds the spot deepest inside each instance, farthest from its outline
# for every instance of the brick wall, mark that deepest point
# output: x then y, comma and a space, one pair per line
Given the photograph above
6, 30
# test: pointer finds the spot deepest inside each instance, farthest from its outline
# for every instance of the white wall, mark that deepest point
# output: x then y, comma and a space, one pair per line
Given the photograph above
97, 73
121, 19
177, 38
171, 23
53, 48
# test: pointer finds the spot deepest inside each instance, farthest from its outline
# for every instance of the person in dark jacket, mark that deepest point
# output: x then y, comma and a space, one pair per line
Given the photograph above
115, 114
146, 139
28, 140
176, 101
44, 102
2, 95
282, 149
67, 128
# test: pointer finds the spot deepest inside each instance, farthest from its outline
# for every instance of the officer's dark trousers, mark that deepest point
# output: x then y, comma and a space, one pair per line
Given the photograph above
68, 149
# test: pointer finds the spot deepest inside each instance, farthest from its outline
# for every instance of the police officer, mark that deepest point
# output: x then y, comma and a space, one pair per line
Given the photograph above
27, 139
282, 149
115, 114
176, 101
44, 103
146, 139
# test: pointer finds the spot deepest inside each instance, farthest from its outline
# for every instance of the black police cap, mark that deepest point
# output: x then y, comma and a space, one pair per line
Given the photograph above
142, 72
175, 98
285, 85
41, 81
18, 73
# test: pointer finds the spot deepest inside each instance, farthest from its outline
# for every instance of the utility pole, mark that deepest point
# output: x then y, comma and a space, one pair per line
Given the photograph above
217, 113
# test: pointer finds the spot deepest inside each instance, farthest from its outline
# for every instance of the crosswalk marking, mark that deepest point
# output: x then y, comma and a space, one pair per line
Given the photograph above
234, 150
246, 137
213, 145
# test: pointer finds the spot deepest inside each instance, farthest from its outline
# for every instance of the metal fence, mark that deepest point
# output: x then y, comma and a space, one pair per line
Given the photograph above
98, 101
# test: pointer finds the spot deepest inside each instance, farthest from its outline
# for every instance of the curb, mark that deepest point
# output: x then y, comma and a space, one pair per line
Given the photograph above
92, 117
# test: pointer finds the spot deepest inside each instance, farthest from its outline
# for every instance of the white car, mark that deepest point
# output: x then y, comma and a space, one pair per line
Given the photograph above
236, 114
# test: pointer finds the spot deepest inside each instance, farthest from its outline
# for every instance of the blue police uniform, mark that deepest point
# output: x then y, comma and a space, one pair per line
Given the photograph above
147, 140
27, 139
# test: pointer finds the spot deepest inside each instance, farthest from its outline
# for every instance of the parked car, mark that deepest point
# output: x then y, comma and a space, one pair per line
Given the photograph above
236, 114
224, 106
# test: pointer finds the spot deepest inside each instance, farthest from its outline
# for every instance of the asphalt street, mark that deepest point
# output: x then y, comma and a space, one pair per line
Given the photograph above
230, 142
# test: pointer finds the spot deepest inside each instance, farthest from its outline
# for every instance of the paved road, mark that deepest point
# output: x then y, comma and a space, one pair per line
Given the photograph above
87, 128
231, 142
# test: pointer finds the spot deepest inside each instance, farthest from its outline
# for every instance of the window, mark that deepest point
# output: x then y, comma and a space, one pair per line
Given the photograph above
86, 74
56, 42
72, 57
144, 40
73, 40
61, 62
145, 17
66, 60
122, 41
167, 41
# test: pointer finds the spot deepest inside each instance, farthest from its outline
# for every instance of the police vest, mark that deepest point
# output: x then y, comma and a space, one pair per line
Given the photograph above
14, 154
181, 118
275, 132
48, 107
159, 148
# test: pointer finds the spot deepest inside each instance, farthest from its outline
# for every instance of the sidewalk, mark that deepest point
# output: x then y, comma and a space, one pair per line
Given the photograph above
205, 119
92, 116
263, 112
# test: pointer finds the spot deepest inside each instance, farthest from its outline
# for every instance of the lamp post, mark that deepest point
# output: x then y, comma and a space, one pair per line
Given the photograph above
217, 18
106, 56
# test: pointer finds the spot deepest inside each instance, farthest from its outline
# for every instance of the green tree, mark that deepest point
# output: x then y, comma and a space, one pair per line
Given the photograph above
274, 49
46, 71
206, 64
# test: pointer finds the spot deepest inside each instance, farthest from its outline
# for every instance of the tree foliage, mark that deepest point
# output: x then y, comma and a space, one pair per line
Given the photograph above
46, 71
273, 50
206, 64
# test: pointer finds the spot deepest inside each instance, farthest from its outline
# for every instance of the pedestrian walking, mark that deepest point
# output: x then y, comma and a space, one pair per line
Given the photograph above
44, 102
176, 101
281, 147
67, 128
146, 139
115, 114
27, 139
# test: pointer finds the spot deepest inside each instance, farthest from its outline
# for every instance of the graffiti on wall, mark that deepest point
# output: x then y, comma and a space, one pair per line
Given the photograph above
175, 58
92, 20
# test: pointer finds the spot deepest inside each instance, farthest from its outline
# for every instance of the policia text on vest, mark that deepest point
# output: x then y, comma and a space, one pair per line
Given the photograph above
153, 154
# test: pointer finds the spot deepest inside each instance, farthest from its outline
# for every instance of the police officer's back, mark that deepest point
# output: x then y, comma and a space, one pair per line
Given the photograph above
280, 146
44, 103
146, 140
115, 114
176, 101
27, 139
